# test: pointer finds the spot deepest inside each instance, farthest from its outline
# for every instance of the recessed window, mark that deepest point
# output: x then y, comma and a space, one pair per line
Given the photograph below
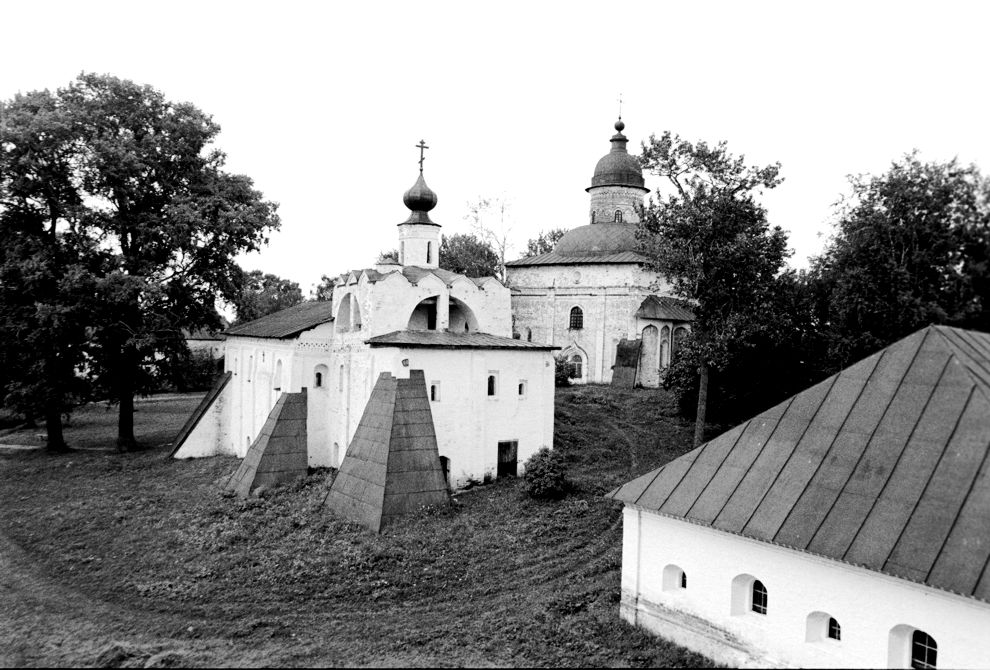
435, 392
492, 384
618, 216
318, 379
673, 578
522, 388
759, 597
834, 629
577, 319
576, 363
683, 580
923, 650
429, 252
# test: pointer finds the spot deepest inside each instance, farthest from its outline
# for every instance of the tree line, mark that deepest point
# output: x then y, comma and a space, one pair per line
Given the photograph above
911, 247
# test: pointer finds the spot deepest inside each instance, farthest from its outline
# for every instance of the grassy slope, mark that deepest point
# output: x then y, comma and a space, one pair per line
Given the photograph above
145, 551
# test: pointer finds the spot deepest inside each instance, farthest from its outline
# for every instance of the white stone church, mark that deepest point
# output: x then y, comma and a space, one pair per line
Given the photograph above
592, 290
491, 396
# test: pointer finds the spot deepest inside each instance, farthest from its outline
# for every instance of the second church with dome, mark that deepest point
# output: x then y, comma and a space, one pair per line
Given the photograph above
593, 290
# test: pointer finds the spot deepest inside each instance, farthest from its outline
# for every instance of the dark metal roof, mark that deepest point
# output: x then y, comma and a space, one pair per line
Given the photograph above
617, 167
553, 258
287, 322
662, 307
595, 239
884, 465
447, 340
412, 273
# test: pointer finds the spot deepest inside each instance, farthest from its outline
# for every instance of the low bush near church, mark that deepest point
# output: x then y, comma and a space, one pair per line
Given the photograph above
545, 477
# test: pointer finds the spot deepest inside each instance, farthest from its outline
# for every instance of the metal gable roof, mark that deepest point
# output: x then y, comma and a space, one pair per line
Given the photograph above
884, 465
447, 340
665, 308
287, 322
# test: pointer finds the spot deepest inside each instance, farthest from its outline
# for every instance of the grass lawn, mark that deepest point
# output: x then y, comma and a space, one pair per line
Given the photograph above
138, 560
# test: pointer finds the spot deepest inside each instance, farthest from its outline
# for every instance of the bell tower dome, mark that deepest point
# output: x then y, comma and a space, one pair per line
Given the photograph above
617, 186
419, 237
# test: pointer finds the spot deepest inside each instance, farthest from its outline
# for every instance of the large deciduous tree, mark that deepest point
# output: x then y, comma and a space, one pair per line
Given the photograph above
911, 248
158, 198
709, 237
263, 293
469, 255
48, 269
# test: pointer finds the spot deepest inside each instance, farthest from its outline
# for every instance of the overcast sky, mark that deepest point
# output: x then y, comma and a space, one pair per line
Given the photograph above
322, 103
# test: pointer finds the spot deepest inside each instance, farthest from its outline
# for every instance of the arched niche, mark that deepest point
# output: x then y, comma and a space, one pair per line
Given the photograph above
348, 315
649, 357
277, 377
674, 578
320, 380
461, 318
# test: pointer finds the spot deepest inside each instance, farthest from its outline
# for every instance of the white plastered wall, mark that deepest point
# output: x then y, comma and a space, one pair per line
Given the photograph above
868, 605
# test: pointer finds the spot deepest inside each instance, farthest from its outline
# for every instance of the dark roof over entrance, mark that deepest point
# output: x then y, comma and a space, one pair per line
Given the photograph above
662, 307
447, 340
287, 322
884, 465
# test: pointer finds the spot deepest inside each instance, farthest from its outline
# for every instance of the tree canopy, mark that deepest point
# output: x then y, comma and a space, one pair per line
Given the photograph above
263, 294
141, 189
544, 242
469, 255
710, 239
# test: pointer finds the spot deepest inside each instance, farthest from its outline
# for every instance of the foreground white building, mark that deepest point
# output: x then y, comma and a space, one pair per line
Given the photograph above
847, 527
491, 396
592, 290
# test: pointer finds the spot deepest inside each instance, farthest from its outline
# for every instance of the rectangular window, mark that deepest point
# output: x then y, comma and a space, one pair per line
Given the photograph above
522, 388
434, 391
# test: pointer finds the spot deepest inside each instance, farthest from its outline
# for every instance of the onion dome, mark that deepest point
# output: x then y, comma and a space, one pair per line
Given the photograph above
420, 199
617, 167
598, 239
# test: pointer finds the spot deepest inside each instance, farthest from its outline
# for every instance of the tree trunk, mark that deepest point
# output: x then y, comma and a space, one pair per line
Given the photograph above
699, 422
125, 394
53, 425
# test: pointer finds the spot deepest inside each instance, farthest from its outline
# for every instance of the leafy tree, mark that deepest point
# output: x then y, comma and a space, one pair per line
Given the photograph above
544, 242
469, 255
157, 195
47, 269
711, 240
391, 256
910, 249
323, 292
263, 294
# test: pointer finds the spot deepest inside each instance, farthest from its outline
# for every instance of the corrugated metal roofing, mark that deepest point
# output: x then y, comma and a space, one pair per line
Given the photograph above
553, 258
663, 307
287, 322
448, 340
884, 465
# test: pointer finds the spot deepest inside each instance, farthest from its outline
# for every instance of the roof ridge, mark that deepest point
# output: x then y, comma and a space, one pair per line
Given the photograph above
976, 367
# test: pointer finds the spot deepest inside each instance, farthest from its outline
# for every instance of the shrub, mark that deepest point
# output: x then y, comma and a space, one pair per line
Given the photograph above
544, 478
562, 372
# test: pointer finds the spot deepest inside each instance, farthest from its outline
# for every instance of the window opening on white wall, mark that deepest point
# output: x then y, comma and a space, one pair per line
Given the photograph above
429, 252
673, 578
321, 376
577, 319
435, 391
318, 380
822, 626
492, 384
924, 651
834, 629
759, 597
529, 334
522, 388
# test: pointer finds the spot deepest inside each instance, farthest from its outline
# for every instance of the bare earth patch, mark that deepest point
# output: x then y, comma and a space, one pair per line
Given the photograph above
138, 560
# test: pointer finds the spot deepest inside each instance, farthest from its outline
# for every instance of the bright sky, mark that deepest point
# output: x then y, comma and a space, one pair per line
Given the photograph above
321, 103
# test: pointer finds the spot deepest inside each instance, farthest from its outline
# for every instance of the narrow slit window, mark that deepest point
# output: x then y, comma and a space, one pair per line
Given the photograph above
429, 252
318, 380
492, 385
522, 388
435, 392
683, 580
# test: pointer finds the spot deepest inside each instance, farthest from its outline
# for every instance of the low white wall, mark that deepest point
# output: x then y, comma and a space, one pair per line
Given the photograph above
869, 606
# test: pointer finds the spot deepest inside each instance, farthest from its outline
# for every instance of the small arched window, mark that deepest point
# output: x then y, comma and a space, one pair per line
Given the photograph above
923, 650
318, 380
618, 216
673, 578
759, 597
429, 252
577, 319
492, 385
834, 629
